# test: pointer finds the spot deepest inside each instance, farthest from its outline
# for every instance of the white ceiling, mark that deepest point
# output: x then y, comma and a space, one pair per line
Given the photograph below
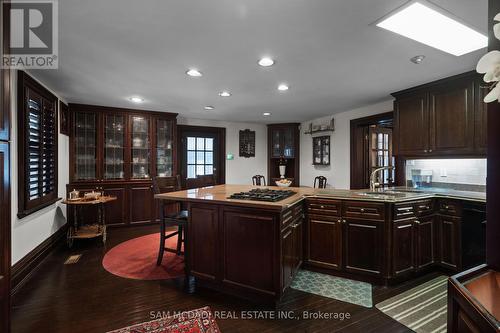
329, 51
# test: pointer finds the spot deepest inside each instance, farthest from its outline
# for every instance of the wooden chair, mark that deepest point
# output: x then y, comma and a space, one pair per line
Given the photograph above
259, 180
321, 182
171, 215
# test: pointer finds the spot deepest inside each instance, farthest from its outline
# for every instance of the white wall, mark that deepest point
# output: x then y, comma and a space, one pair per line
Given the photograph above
241, 169
338, 172
29, 232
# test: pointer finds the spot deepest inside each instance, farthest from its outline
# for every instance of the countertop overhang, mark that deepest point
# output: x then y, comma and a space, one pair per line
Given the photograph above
219, 194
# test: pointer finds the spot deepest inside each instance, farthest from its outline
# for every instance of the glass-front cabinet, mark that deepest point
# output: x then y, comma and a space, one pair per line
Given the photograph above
164, 148
119, 146
114, 147
283, 142
85, 146
140, 164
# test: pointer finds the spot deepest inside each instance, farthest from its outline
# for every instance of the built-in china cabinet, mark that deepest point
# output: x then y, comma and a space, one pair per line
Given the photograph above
283, 149
118, 151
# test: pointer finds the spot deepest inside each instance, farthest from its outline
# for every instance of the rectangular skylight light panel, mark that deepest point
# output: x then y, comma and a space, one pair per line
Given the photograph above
428, 26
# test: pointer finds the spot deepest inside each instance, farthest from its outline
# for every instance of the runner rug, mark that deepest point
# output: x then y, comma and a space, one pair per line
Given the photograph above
350, 291
422, 309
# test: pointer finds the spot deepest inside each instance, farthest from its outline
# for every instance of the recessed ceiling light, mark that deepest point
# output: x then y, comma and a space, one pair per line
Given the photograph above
266, 114
136, 99
434, 27
417, 59
283, 87
209, 107
266, 62
194, 72
224, 94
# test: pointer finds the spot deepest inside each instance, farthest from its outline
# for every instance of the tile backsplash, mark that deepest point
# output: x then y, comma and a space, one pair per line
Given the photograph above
466, 174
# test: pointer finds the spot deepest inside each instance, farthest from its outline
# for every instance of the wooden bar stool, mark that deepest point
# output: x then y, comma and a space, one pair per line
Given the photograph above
321, 182
170, 216
259, 180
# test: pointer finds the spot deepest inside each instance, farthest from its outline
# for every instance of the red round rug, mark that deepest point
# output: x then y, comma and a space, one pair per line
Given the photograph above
136, 259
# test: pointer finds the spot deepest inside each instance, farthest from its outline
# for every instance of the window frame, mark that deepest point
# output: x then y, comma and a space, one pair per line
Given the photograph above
27, 86
196, 150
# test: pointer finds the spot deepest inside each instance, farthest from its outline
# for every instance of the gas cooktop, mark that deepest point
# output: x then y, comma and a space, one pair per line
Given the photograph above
263, 195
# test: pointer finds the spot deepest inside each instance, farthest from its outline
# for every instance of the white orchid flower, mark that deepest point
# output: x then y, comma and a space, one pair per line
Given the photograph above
496, 27
489, 65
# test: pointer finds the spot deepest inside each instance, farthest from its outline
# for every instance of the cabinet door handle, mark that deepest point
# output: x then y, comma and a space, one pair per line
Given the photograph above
322, 207
417, 221
362, 210
430, 150
426, 151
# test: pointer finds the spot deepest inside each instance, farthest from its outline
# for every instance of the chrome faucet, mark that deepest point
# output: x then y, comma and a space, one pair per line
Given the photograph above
374, 184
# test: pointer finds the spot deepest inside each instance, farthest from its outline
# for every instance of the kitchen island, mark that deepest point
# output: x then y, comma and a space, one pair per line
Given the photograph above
253, 249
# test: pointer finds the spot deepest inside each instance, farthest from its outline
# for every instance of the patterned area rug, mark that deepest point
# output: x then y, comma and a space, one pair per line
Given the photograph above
199, 320
422, 309
350, 291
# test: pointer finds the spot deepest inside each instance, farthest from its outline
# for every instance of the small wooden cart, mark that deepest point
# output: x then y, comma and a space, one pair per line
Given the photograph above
79, 231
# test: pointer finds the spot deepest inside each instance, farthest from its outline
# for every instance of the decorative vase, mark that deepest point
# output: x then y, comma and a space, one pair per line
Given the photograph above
282, 171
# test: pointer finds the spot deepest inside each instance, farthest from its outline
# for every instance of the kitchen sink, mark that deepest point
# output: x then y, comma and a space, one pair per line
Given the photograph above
395, 194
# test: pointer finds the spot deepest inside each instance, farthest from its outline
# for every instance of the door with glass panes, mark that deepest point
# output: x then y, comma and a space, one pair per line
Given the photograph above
200, 162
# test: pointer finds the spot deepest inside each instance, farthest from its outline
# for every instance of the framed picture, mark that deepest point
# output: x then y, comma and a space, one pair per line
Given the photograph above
64, 118
321, 150
247, 143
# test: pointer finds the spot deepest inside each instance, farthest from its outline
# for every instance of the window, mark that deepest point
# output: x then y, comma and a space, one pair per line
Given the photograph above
37, 146
200, 156
381, 154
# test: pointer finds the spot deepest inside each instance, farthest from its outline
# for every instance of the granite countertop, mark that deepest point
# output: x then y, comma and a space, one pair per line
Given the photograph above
401, 194
220, 194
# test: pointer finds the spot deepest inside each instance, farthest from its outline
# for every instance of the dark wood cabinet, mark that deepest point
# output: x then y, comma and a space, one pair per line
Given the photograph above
325, 242
442, 118
5, 236
287, 256
119, 151
403, 247
411, 124
5, 104
292, 248
481, 121
203, 246
283, 145
141, 204
449, 241
425, 238
116, 211
451, 109
363, 246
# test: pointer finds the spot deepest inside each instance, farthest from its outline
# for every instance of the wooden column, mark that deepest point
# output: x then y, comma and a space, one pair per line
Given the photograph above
493, 187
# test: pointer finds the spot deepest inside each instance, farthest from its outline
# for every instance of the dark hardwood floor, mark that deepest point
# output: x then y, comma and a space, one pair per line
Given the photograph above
83, 297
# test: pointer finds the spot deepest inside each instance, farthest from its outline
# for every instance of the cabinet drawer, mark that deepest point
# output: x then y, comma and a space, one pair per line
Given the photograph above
323, 218
324, 207
404, 210
450, 207
424, 207
286, 218
364, 210
298, 210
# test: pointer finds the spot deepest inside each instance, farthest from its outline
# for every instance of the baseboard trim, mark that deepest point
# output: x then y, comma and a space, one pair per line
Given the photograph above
23, 269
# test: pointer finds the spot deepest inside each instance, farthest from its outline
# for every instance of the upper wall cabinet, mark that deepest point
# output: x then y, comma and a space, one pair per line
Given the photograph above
112, 145
443, 118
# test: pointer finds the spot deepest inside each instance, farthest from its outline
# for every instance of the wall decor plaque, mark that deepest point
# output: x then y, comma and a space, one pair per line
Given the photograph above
247, 143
